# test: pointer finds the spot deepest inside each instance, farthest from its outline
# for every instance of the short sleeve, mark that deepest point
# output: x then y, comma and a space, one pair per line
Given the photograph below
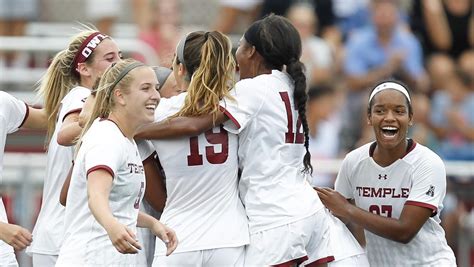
145, 148
105, 156
74, 102
429, 185
343, 184
245, 105
16, 112
169, 106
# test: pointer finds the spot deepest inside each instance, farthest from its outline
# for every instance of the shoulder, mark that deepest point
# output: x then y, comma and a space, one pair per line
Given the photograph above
77, 92
422, 156
169, 106
103, 131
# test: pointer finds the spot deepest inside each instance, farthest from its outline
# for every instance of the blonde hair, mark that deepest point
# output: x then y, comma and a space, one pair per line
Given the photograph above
104, 100
211, 67
60, 78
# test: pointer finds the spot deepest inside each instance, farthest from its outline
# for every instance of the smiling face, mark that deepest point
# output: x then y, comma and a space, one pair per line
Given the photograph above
143, 96
390, 117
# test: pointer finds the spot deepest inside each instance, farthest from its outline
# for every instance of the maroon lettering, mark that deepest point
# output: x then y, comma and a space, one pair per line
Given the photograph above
382, 192
290, 136
219, 138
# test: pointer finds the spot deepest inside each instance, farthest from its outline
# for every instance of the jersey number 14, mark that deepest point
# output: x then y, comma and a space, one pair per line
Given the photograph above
292, 136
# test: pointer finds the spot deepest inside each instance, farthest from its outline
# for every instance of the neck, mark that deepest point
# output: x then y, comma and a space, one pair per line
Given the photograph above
126, 127
386, 156
86, 82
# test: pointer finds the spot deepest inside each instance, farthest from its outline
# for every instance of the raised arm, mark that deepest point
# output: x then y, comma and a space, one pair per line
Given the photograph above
179, 126
70, 130
400, 230
37, 119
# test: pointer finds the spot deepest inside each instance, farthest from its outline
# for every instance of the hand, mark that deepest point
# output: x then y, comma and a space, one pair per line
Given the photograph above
167, 235
17, 237
395, 61
334, 201
123, 239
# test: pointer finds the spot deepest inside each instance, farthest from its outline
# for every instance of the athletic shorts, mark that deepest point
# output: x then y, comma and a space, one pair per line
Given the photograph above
302, 242
202, 258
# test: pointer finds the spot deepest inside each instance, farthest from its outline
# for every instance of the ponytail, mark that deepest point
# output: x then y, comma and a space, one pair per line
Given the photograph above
295, 69
212, 75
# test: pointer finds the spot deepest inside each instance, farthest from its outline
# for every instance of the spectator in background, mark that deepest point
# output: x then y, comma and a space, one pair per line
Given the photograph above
157, 24
421, 131
230, 11
373, 54
14, 16
440, 68
324, 124
444, 26
452, 118
466, 64
317, 54
104, 14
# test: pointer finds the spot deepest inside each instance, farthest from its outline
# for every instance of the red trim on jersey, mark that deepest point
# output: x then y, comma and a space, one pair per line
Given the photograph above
321, 261
26, 115
101, 167
77, 110
422, 204
227, 113
290, 263
411, 146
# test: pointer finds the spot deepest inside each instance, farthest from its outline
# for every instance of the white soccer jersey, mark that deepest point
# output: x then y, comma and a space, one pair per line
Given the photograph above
419, 178
272, 187
49, 227
13, 114
203, 204
86, 242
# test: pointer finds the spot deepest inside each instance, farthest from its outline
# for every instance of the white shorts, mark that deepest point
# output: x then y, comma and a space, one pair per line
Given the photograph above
8, 260
202, 258
305, 241
44, 260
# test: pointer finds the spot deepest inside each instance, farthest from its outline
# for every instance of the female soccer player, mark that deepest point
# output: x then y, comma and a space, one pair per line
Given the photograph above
268, 113
203, 204
108, 180
13, 115
398, 187
65, 87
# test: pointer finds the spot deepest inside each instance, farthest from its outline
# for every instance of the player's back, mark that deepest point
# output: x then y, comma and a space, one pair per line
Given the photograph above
203, 205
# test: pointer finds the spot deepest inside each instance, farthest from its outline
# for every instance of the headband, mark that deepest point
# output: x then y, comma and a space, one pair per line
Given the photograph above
86, 48
390, 85
180, 48
162, 75
125, 71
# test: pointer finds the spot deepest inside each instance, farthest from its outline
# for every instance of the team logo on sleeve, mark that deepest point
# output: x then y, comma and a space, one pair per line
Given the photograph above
382, 177
430, 191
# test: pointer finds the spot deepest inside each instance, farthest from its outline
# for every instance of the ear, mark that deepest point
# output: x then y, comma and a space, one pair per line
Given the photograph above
83, 70
181, 69
251, 52
119, 97
369, 122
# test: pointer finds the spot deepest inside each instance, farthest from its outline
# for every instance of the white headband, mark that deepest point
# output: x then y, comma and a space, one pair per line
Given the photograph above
390, 85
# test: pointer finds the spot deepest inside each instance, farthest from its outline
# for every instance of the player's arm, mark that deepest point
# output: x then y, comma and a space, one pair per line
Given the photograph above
37, 119
99, 184
15, 236
356, 230
166, 234
65, 187
70, 129
179, 126
155, 191
400, 230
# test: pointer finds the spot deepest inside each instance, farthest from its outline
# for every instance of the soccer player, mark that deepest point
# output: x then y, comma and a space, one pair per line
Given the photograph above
65, 87
398, 187
13, 115
108, 181
288, 223
203, 204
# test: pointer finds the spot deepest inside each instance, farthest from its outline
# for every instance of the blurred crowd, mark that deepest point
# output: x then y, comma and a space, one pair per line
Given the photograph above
348, 46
